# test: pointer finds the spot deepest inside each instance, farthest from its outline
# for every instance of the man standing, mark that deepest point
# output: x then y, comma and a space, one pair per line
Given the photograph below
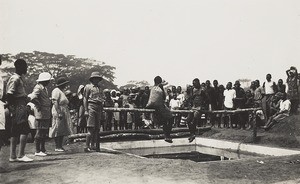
40, 98
240, 104
17, 103
270, 90
229, 96
93, 105
212, 101
157, 101
292, 92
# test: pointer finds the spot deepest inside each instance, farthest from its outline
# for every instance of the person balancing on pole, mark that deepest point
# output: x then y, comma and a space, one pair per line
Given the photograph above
162, 113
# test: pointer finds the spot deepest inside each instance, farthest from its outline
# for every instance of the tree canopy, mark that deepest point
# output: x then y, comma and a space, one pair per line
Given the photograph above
76, 69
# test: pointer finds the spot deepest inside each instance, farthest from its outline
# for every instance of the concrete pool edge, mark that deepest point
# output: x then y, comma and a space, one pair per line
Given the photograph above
199, 141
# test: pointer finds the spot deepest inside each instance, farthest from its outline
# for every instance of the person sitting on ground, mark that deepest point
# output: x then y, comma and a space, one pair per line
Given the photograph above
274, 105
285, 107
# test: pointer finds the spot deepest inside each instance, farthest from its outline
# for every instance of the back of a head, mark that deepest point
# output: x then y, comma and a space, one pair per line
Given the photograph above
157, 80
20, 63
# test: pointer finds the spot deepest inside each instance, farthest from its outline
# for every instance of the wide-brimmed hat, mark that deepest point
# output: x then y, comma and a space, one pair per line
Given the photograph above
61, 81
45, 76
96, 75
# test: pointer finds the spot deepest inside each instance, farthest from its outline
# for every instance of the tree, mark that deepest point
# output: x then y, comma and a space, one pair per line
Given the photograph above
77, 70
133, 83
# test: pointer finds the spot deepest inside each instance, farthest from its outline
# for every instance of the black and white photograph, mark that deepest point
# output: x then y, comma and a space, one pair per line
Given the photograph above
149, 91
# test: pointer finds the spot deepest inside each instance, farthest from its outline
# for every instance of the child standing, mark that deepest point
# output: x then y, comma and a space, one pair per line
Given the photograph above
93, 105
40, 98
130, 115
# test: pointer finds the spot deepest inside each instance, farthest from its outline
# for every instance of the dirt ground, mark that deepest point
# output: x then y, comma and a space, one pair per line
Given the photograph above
75, 166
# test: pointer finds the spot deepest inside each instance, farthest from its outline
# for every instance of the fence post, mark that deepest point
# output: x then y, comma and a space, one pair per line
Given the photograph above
254, 126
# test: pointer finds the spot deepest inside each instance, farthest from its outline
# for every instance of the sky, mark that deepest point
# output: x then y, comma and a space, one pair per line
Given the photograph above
177, 39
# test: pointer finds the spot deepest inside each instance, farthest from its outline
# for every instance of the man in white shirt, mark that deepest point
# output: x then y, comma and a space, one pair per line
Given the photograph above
270, 89
229, 96
284, 111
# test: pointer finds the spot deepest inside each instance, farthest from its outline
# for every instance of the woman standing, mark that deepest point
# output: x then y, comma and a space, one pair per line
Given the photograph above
81, 124
60, 114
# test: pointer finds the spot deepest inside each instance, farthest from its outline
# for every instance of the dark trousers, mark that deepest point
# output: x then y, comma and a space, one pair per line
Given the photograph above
192, 121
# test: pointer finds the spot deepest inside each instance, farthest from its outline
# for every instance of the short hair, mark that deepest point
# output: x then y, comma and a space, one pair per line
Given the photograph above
19, 63
157, 80
196, 80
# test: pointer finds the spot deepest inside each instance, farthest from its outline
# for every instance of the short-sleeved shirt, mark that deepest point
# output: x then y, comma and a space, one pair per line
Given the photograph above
229, 96
285, 106
93, 94
16, 86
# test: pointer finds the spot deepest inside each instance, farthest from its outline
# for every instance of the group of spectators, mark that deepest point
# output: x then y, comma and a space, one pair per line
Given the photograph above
63, 112
202, 96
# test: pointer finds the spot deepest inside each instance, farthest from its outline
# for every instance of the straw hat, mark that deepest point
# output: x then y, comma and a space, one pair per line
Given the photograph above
61, 81
45, 76
96, 75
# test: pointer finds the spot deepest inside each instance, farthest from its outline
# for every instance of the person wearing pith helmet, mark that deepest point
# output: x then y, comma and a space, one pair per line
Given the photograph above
40, 98
93, 106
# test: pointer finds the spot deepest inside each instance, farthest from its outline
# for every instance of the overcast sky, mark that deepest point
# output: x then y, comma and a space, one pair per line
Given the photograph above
177, 39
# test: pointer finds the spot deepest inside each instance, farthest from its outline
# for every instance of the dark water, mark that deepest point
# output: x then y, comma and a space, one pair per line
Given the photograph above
194, 156
194, 153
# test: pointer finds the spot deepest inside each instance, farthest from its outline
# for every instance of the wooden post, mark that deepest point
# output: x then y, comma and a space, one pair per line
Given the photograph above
97, 140
98, 130
254, 126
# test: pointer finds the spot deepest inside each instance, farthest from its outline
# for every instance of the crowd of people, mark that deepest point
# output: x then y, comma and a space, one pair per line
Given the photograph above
61, 112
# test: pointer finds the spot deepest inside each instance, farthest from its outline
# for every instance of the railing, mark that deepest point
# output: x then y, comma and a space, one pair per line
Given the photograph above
225, 112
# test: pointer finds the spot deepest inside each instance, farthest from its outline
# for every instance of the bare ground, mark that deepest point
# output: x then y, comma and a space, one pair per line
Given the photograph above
75, 166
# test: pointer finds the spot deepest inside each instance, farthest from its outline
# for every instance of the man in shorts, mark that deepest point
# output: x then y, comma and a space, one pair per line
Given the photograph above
93, 105
17, 103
